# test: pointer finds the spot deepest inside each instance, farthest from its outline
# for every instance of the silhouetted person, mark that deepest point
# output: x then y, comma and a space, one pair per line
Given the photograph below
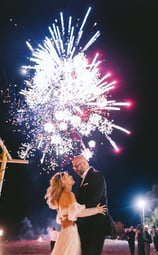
131, 239
147, 241
53, 234
154, 236
140, 240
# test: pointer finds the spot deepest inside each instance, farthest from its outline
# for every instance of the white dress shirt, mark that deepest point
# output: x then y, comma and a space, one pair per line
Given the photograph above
84, 176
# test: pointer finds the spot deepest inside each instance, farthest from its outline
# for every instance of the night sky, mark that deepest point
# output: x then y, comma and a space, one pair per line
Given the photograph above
129, 45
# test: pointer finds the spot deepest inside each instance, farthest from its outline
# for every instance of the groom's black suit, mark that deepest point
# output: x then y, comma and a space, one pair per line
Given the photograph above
92, 229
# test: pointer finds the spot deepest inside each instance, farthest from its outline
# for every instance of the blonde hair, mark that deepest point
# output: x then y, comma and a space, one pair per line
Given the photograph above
54, 191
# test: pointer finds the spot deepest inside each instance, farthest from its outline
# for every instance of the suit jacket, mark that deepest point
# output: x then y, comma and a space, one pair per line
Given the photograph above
92, 192
93, 189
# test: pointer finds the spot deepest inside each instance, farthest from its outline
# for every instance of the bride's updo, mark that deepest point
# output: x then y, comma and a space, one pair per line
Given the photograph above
55, 189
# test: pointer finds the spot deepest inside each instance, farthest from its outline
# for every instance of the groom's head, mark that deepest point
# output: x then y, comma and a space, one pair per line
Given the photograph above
80, 165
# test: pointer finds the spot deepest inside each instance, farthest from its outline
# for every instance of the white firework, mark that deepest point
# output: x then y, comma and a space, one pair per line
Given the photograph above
66, 95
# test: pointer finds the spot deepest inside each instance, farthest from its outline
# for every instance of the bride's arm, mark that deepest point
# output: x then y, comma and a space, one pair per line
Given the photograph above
76, 210
92, 211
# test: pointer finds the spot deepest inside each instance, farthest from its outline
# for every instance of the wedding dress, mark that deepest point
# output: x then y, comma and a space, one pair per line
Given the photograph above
68, 241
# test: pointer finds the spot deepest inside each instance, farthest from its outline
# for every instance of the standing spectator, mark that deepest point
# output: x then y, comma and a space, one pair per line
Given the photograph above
154, 236
140, 240
147, 241
53, 234
131, 239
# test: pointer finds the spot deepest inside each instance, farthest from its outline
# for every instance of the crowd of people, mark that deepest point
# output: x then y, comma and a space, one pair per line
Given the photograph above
144, 237
84, 216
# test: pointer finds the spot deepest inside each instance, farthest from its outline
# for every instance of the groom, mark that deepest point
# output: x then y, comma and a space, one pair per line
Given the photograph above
92, 191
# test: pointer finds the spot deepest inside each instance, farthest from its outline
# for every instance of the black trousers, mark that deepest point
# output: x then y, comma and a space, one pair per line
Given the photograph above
52, 243
131, 246
92, 241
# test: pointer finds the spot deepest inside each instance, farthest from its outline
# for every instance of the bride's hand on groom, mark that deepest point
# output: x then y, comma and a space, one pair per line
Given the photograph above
102, 209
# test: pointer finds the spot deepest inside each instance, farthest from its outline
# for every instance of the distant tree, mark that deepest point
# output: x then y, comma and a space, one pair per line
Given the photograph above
152, 196
153, 220
151, 215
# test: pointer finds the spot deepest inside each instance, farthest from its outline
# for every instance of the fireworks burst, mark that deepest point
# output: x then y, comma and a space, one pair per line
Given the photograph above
66, 97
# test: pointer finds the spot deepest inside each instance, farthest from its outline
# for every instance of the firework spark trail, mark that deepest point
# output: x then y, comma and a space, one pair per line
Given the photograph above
65, 94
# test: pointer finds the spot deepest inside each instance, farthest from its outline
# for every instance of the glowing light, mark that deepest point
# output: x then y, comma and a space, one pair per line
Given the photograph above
1, 232
141, 203
48, 127
23, 71
129, 104
117, 150
92, 144
66, 97
40, 239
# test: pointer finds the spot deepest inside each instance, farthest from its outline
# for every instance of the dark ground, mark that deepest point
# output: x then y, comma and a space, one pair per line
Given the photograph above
113, 247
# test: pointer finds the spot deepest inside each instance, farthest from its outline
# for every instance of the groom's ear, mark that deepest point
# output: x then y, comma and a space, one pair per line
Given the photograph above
84, 164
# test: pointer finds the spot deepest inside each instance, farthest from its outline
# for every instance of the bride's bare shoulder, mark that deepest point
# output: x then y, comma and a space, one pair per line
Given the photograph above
67, 198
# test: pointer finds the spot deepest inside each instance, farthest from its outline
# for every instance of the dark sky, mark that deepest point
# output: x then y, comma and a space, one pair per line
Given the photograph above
128, 44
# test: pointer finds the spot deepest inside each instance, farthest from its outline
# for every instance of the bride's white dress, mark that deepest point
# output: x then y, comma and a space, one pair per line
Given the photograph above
68, 241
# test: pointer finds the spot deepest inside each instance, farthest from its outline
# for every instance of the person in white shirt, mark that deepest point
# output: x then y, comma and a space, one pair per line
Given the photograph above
53, 234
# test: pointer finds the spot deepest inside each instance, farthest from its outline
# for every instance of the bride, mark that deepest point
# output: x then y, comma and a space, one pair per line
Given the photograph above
59, 196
